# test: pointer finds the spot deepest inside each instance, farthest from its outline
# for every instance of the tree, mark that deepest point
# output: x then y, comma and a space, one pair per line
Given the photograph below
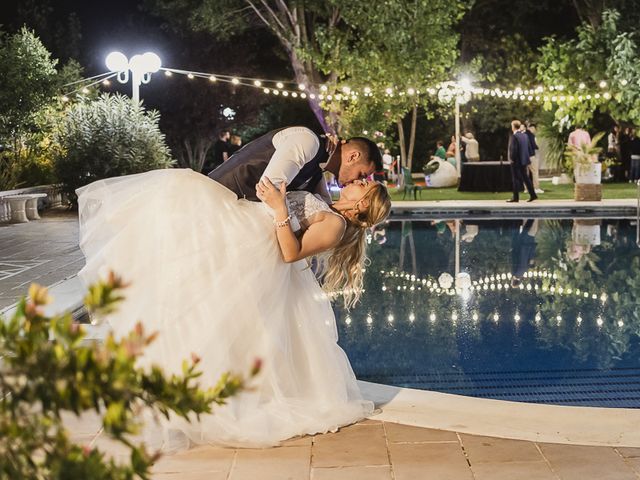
293, 23
401, 51
108, 137
192, 109
61, 34
28, 81
598, 69
48, 370
323, 40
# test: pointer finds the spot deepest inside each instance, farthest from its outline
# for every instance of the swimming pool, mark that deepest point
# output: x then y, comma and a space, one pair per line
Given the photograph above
537, 310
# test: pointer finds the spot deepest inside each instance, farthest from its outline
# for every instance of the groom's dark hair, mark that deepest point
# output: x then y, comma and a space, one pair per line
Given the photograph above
369, 149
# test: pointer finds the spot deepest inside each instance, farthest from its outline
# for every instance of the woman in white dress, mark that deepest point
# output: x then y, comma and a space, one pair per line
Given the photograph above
229, 281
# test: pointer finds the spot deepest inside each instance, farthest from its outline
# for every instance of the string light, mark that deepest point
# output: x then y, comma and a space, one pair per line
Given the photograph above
344, 93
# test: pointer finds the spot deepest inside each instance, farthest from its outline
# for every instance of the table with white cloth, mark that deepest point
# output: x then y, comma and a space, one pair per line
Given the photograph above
485, 177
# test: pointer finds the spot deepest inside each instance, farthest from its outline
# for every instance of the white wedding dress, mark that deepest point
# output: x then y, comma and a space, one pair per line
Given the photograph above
206, 272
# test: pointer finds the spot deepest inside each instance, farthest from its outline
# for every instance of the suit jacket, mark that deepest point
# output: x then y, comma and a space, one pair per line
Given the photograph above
244, 168
520, 149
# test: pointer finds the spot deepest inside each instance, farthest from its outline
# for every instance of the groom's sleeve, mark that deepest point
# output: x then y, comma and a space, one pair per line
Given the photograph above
295, 146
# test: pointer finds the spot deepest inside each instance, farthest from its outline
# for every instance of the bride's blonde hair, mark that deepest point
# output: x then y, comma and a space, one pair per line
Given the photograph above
341, 269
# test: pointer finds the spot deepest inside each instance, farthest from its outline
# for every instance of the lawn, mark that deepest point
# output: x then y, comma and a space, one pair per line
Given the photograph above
551, 192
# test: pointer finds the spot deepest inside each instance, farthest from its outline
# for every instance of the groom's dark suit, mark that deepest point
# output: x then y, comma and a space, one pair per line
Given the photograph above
243, 170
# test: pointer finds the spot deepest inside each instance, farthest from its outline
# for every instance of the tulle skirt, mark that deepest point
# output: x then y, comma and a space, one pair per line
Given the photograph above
207, 274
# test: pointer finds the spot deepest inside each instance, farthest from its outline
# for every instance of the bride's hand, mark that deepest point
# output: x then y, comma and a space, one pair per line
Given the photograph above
270, 194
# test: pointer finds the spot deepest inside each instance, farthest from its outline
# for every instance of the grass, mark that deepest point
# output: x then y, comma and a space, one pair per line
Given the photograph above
551, 192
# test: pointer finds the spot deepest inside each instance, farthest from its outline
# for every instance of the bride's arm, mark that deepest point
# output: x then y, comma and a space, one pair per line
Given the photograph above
319, 237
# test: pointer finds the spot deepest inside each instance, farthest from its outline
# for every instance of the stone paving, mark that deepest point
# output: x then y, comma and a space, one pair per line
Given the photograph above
44, 251
374, 450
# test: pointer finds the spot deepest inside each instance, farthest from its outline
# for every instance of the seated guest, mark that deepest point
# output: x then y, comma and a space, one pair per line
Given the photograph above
472, 149
440, 150
451, 152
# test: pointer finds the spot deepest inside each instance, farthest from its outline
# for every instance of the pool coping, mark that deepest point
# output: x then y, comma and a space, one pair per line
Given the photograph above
594, 426
500, 209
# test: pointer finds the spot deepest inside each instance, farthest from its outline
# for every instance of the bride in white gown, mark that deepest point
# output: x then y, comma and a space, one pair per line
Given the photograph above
223, 279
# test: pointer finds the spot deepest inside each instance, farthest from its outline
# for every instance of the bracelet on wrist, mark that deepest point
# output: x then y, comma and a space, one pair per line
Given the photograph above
282, 223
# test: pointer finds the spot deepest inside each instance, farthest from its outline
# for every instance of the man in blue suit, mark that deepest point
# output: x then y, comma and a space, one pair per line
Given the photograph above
520, 153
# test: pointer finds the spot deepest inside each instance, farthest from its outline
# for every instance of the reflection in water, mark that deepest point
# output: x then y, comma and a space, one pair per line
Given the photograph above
532, 310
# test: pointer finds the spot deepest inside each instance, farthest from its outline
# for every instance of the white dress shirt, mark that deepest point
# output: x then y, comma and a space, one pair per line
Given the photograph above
295, 147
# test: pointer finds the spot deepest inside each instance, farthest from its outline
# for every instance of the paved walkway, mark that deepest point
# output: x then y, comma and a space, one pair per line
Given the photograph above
374, 450
44, 251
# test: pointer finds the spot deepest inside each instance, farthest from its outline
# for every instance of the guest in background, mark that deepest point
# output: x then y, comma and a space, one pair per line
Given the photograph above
612, 142
534, 166
471, 147
634, 172
451, 152
440, 152
625, 151
235, 144
219, 153
387, 162
579, 137
520, 153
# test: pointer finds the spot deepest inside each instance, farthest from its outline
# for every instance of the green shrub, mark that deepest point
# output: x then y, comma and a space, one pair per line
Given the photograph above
108, 137
46, 370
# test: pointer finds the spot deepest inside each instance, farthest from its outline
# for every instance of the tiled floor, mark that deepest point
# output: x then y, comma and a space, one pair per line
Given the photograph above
44, 251
374, 450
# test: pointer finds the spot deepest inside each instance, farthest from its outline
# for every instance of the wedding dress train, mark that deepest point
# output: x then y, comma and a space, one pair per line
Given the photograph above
206, 273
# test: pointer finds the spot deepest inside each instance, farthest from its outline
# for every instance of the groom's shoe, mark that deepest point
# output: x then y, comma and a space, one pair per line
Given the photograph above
531, 199
512, 200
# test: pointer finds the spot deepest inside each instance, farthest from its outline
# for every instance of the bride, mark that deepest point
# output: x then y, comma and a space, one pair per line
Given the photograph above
229, 280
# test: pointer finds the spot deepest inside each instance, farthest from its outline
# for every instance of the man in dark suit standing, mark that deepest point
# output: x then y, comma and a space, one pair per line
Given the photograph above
520, 153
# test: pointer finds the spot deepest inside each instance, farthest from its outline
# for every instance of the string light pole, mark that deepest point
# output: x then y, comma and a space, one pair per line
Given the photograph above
139, 67
460, 93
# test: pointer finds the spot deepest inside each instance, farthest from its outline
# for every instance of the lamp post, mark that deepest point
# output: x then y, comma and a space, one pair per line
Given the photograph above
140, 67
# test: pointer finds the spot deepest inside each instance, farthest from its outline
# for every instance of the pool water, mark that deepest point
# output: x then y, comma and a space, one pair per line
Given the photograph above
538, 310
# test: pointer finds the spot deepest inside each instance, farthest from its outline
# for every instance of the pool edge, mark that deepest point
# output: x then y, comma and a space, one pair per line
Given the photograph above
594, 426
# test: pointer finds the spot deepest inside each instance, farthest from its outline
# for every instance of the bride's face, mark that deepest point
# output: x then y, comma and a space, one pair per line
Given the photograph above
356, 190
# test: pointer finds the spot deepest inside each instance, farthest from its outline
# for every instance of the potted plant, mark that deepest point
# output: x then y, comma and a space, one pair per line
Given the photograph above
587, 169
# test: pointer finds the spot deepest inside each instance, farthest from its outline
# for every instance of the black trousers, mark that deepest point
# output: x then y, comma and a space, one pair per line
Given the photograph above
519, 176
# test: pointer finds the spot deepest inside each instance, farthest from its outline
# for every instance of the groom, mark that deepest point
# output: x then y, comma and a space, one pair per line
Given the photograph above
297, 157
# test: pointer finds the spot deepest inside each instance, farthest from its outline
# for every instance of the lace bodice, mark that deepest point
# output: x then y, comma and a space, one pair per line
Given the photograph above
302, 206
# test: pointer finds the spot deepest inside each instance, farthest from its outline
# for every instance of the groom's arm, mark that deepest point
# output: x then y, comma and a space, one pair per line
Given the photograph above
294, 146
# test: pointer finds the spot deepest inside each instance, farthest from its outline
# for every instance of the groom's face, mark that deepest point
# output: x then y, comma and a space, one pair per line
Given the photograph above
354, 167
